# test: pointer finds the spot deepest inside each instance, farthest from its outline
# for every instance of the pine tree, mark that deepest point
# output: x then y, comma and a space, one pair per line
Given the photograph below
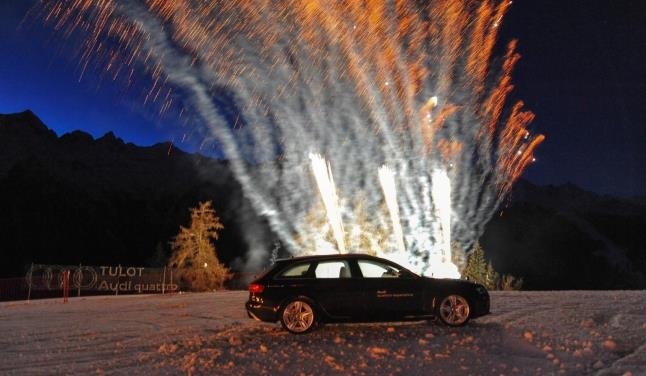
479, 270
476, 269
510, 283
193, 252
492, 277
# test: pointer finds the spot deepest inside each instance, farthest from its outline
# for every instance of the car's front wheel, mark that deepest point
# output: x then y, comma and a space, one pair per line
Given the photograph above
454, 310
298, 316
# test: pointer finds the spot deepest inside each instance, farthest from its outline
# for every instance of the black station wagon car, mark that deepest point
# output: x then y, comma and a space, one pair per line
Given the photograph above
303, 291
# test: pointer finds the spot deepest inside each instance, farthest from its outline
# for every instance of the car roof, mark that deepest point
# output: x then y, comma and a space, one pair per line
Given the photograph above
332, 256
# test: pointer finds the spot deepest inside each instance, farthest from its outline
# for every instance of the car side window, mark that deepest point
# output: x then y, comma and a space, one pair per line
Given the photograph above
295, 271
374, 269
332, 269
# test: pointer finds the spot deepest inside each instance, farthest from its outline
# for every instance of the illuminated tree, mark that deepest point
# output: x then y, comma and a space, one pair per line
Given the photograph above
315, 231
492, 277
478, 269
193, 253
510, 283
365, 234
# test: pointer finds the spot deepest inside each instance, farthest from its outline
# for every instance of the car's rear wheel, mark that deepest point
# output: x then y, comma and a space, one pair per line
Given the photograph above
298, 316
454, 310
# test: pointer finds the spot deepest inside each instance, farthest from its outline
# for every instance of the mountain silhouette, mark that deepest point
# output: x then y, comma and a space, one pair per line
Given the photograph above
563, 237
75, 199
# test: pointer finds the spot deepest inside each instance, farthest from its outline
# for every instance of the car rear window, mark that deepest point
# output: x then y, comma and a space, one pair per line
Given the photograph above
298, 270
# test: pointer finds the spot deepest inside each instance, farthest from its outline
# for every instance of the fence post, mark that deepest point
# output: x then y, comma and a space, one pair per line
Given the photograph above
116, 289
164, 281
31, 271
80, 281
66, 285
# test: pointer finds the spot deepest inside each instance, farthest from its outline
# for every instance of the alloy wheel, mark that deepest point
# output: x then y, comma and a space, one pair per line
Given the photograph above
454, 310
298, 316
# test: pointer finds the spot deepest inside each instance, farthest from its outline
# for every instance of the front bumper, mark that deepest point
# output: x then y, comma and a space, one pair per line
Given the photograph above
481, 308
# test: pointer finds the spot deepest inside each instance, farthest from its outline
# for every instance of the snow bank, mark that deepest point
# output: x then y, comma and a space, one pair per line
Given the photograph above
528, 333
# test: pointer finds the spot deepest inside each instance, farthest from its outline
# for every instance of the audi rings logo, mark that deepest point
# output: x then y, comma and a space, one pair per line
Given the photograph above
50, 277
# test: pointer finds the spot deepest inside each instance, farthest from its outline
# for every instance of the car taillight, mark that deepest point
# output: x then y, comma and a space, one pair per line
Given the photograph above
256, 288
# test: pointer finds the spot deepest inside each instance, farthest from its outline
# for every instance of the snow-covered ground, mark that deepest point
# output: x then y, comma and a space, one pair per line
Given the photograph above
528, 333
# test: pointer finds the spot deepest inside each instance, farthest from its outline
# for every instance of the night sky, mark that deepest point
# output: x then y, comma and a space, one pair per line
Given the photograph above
582, 71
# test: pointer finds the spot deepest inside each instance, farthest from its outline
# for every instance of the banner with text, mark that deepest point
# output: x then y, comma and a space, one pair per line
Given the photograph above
116, 279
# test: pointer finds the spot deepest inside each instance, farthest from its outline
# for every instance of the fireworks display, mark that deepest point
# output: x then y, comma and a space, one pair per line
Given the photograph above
406, 84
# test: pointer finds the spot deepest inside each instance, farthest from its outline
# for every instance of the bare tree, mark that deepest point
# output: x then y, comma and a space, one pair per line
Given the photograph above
194, 254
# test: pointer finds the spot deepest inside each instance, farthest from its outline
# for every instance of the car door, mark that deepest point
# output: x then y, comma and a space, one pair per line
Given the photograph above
335, 289
389, 290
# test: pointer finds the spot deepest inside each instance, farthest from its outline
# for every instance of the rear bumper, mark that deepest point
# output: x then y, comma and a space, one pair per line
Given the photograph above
260, 312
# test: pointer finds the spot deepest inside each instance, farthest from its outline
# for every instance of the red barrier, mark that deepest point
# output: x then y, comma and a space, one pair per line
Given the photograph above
66, 285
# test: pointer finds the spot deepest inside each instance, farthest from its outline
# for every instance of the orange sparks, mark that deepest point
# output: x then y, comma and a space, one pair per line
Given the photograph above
393, 54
